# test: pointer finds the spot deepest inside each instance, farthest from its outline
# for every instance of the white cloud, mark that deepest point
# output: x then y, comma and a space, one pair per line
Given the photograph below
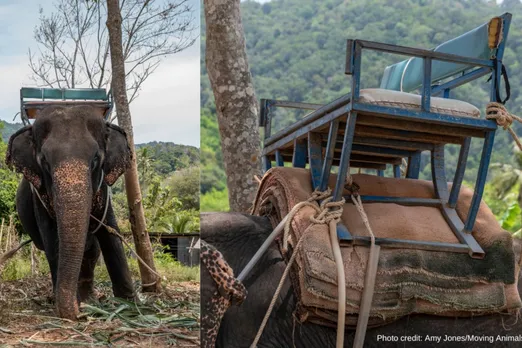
168, 106
14, 73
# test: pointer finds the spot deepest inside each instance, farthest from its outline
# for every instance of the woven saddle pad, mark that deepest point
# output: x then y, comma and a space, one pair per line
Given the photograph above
408, 281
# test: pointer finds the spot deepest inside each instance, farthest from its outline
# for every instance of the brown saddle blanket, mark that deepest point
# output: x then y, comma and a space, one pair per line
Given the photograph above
408, 280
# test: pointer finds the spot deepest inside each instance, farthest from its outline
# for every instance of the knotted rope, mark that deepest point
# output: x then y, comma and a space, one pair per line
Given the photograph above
499, 113
324, 213
329, 213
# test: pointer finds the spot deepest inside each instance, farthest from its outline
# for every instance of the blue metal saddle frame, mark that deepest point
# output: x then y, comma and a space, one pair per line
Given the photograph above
38, 98
457, 62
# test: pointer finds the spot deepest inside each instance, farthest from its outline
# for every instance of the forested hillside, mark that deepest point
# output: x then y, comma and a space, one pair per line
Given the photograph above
297, 49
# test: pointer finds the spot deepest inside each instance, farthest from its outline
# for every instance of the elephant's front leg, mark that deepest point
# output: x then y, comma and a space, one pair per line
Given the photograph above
49, 238
86, 279
115, 260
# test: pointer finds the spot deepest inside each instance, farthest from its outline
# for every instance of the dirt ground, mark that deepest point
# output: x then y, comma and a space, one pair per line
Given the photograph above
159, 320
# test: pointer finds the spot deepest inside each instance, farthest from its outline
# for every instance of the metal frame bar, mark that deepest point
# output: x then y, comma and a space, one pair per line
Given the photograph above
396, 171
429, 202
315, 158
63, 91
299, 156
280, 162
412, 172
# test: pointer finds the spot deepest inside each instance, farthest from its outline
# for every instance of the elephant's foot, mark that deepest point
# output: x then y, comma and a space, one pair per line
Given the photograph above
67, 305
125, 293
122, 287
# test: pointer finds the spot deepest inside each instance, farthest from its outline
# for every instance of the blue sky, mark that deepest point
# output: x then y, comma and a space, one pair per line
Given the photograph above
167, 108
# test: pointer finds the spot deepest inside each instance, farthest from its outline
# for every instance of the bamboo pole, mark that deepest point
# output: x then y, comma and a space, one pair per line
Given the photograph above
33, 270
1, 233
12, 236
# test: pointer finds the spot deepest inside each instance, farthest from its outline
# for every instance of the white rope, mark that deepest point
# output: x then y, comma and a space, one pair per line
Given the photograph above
371, 272
327, 213
330, 213
499, 113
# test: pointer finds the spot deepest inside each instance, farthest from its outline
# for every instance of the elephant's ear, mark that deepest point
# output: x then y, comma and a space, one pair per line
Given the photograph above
21, 154
117, 154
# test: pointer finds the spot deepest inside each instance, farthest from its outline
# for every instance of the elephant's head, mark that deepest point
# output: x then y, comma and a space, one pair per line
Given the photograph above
67, 154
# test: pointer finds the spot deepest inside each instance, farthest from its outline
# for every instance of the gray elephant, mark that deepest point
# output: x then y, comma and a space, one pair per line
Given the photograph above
238, 236
69, 157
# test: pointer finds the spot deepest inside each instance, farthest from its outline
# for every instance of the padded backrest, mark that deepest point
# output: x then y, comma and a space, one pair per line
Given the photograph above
63, 94
480, 43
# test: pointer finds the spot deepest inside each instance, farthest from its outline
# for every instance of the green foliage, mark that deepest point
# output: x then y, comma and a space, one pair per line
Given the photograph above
165, 158
19, 266
296, 51
215, 200
184, 185
8, 184
169, 180
172, 204
8, 129
511, 218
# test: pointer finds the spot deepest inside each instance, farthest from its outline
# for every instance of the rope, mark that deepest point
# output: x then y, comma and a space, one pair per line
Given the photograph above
371, 273
109, 229
499, 113
316, 196
276, 294
404, 167
326, 213
330, 213
356, 199
113, 231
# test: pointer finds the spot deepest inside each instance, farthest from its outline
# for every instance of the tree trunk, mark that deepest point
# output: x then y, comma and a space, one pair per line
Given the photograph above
151, 283
236, 103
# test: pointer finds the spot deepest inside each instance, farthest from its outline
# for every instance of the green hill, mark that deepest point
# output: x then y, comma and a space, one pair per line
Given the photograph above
167, 157
296, 51
7, 129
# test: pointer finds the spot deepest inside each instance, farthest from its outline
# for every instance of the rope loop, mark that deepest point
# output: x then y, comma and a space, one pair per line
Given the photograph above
326, 212
351, 185
499, 113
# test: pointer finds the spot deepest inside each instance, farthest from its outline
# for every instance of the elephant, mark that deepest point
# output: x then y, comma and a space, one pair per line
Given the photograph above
69, 158
238, 236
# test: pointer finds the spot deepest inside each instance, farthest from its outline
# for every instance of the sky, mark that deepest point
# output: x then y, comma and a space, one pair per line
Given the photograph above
167, 108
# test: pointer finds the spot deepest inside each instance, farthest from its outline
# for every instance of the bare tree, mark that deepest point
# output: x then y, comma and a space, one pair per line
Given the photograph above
73, 42
236, 103
150, 281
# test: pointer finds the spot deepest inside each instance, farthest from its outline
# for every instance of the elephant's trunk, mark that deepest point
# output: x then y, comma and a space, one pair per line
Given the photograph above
72, 201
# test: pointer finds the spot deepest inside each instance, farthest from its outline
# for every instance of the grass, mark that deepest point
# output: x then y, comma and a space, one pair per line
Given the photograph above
27, 318
19, 266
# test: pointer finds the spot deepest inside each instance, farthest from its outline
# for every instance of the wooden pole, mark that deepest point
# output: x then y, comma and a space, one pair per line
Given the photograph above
151, 283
